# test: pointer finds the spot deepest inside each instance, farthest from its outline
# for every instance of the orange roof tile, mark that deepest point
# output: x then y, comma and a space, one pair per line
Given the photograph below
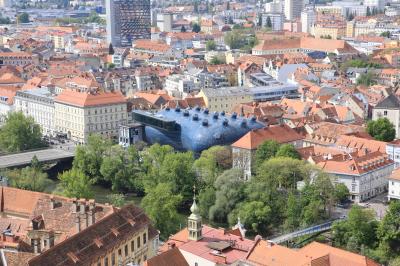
279, 133
83, 99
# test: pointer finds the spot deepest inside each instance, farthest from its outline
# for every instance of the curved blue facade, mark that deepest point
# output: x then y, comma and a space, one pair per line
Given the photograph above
198, 129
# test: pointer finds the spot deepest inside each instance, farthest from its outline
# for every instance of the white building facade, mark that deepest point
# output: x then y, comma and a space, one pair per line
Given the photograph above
39, 104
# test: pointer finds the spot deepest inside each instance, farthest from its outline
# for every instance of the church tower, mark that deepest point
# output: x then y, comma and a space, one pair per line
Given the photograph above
194, 222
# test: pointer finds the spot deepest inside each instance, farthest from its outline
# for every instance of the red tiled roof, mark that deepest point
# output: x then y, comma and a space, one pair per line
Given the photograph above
279, 133
83, 99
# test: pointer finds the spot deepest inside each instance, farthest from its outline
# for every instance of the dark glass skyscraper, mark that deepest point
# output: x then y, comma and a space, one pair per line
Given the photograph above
127, 21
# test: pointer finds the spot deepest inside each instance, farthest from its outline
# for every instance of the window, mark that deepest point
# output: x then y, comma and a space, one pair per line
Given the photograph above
113, 259
144, 239
126, 250
106, 261
132, 245
385, 113
138, 242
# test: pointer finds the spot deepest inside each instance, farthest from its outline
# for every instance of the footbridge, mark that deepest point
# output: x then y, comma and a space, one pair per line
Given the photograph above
307, 231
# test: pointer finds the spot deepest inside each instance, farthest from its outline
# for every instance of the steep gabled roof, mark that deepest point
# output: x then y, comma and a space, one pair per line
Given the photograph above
88, 245
390, 102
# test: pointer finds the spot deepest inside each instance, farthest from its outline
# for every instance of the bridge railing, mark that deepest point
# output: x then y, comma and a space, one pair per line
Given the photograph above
310, 230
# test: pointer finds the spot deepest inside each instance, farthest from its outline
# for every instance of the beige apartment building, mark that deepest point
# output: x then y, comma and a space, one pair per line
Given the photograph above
78, 114
225, 99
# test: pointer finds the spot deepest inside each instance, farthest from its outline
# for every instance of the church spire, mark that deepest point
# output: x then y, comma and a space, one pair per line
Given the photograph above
194, 220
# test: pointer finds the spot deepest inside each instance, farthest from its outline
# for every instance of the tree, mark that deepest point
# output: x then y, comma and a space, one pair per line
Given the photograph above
293, 213
341, 193
183, 29
117, 200
211, 163
259, 22
206, 200
89, 158
255, 216
229, 191
381, 129
283, 173
113, 169
177, 169
217, 60
386, 34
357, 231
20, 133
234, 39
211, 45
76, 184
110, 49
268, 22
266, 151
23, 18
160, 205
5, 20
389, 232
366, 79
196, 27
288, 150
29, 178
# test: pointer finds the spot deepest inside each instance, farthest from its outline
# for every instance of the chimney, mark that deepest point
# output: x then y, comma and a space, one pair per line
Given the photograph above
52, 203
87, 219
74, 207
92, 211
82, 205
78, 223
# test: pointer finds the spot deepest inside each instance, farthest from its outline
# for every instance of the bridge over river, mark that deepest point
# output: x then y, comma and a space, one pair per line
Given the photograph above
45, 156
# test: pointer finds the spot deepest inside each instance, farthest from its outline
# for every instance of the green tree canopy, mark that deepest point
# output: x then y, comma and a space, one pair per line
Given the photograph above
76, 184
211, 163
389, 231
366, 79
211, 45
20, 133
196, 27
23, 18
217, 60
341, 193
30, 178
357, 231
266, 151
381, 129
288, 150
160, 205
229, 191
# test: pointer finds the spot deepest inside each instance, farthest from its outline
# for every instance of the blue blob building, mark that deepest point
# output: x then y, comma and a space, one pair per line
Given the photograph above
193, 129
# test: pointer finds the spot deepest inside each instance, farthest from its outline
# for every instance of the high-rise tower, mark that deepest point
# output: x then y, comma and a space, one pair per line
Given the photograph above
127, 21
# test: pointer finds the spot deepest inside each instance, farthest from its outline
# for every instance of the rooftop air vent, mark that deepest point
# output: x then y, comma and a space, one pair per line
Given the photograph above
223, 113
195, 117
215, 115
167, 109
243, 123
186, 113
205, 122
253, 119
206, 111
225, 122
234, 115
177, 109
198, 108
